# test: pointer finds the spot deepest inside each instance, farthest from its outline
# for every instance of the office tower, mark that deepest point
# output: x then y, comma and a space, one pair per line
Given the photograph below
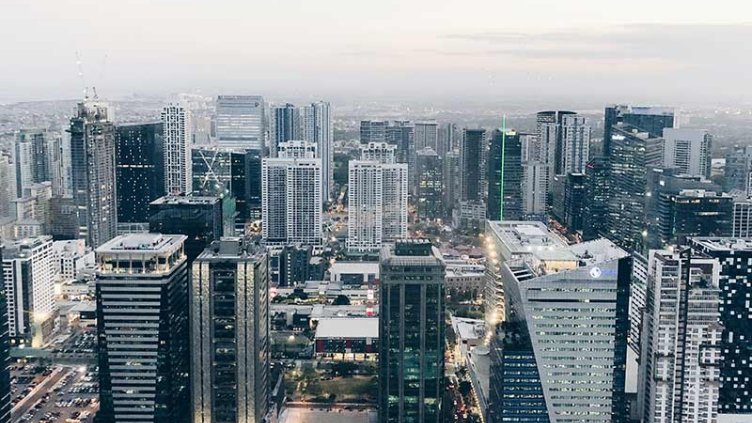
652, 120
372, 131
296, 265
575, 148
738, 170
411, 333
92, 139
569, 200
471, 152
317, 128
240, 121
595, 207
633, 152
142, 329
742, 218
291, 201
198, 218
5, 386
451, 174
230, 345
379, 152
139, 169
734, 256
688, 150
7, 186
428, 190
565, 326
177, 138
447, 139
63, 223
505, 176
681, 341
29, 280
681, 206
426, 135
222, 172
37, 159
401, 133
285, 125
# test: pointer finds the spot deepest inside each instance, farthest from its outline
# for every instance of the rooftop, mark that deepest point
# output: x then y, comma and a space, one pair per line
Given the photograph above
724, 244
181, 199
142, 243
524, 237
232, 248
352, 327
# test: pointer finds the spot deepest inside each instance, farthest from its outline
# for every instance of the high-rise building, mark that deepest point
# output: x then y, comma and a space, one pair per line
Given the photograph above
285, 125
291, 201
316, 120
734, 256
92, 140
198, 218
426, 135
451, 174
681, 339
738, 170
550, 142
595, 206
379, 152
139, 169
569, 200
229, 306
29, 280
575, 148
505, 174
240, 121
7, 186
177, 138
5, 386
687, 150
37, 160
411, 333
652, 120
742, 223
401, 133
471, 151
448, 139
372, 131
428, 191
633, 152
565, 326
142, 329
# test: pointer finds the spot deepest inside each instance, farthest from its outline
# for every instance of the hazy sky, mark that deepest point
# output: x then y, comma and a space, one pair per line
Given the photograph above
625, 50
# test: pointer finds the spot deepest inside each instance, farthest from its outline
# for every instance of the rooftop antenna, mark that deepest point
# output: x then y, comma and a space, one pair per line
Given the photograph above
81, 75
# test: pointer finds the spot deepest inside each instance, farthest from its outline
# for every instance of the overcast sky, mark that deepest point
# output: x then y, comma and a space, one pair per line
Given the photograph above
650, 50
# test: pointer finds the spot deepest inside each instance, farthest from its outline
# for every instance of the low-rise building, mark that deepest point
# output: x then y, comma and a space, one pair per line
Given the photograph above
349, 339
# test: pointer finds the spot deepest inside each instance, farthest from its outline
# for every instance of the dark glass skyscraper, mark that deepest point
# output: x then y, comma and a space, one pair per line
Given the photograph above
230, 333
471, 156
411, 333
428, 191
285, 125
198, 218
504, 176
595, 208
142, 329
139, 170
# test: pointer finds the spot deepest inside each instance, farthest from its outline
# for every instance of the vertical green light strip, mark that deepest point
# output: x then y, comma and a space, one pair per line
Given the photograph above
503, 152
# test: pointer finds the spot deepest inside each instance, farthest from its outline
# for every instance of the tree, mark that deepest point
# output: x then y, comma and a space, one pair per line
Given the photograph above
341, 300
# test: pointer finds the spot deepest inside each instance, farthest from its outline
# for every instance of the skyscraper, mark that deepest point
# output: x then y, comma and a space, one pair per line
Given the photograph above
285, 125
734, 256
565, 326
551, 139
428, 191
451, 175
7, 186
652, 120
742, 223
139, 169
401, 133
681, 339
291, 200
471, 151
595, 207
240, 121
687, 150
230, 322
372, 131
37, 159
738, 170
198, 218
176, 142
505, 173
379, 152
29, 280
92, 138
575, 148
426, 135
569, 200
5, 387
411, 333
142, 329
317, 128
534, 179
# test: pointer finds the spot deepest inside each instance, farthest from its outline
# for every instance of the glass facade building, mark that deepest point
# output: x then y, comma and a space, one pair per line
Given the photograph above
504, 176
198, 218
411, 333
139, 170
240, 121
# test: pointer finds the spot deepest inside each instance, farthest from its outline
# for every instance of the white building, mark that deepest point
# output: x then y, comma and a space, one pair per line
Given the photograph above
679, 374
688, 150
70, 258
575, 144
534, 182
316, 122
177, 139
380, 152
291, 201
29, 279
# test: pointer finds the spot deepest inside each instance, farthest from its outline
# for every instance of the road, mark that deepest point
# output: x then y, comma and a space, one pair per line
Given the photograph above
38, 392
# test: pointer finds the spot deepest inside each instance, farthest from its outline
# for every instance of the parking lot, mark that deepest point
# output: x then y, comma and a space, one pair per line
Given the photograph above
54, 394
